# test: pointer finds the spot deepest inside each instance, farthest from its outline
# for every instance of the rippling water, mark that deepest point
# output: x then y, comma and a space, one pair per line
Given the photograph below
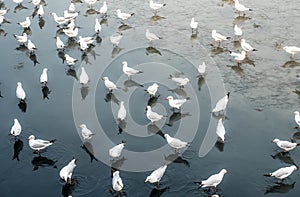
260, 108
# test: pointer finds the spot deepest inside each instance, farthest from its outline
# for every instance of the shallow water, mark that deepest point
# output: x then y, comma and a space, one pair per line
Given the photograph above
260, 108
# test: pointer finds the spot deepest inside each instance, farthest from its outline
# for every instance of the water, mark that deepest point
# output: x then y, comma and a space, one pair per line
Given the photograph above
260, 108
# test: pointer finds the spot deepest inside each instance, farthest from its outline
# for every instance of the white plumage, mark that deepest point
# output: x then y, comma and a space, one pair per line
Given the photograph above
202, 68
38, 144
240, 7
176, 143
72, 7
26, 23
97, 26
117, 183
218, 37
31, 46
156, 175
103, 9
285, 145
109, 84
238, 56
116, 151
152, 89
70, 60
59, 43
70, 15
123, 16
20, 92
221, 104
86, 133
292, 50
237, 31
282, 173
194, 24
122, 112
16, 128
83, 78
21, 39
297, 118
213, 180
180, 81
153, 116
44, 76
71, 33
156, 6
40, 12
246, 46
59, 19
115, 39
151, 36
66, 172
129, 71
220, 130
175, 103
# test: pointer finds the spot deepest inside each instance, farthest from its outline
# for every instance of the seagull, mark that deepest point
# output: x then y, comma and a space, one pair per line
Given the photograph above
44, 76
221, 104
246, 47
59, 19
3, 12
86, 133
156, 6
115, 39
97, 26
66, 172
116, 151
21, 39
297, 118
31, 47
90, 2
202, 68
180, 81
38, 144
176, 143
123, 16
282, 173
292, 50
117, 183
72, 7
20, 92
213, 180
285, 145
240, 7
59, 43
194, 25
35, 2
238, 31
70, 15
109, 84
152, 89
19, 2
40, 12
71, 26
221, 130
16, 128
83, 78
70, 60
175, 103
71, 33
153, 116
103, 9
129, 71
122, 112
156, 175
87, 40
238, 56
151, 36
25, 24
218, 37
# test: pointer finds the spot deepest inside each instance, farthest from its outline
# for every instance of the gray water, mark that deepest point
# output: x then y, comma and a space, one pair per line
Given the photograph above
260, 108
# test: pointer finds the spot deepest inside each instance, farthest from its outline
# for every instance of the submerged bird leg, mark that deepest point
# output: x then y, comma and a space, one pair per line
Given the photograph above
215, 188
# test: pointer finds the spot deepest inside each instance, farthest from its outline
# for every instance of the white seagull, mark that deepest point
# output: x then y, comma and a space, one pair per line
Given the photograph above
246, 46
66, 172
21, 39
285, 145
103, 9
180, 81
30, 46
16, 128
297, 118
213, 180
202, 68
117, 183
156, 6
176, 143
115, 39
70, 60
3, 11
175, 103
122, 112
97, 26
237, 31
123, 16
152, 89
40, 12
70, 15
38, 144
109, 84
44, 76
220, 130
20, 92
59, 19
116, 151
218, 37
86, 133
151, 36
71, 33
292, 50
153, 116
90, 2
25, 24
156, 175
240, 7
282, 173
72, 7
238, 56
221, 104
59, 43
129, 71
83, 78
194, 25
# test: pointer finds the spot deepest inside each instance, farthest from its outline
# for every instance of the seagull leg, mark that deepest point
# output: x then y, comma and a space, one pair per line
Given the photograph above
215, 189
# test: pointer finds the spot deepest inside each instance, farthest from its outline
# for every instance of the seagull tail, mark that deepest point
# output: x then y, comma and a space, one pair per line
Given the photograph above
298, 144
269, 174
250, 9
132, 14
52, 141
199, 183
228, 37
164, 4
254, 50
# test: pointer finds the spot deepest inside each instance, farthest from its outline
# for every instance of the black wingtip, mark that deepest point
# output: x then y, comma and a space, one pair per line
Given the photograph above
52, 141
164, 4
132, 14
268, 175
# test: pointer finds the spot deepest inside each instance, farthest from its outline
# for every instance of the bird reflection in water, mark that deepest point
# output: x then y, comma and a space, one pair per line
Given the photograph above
176, 158
117, 164
280, 188
217, 50
71, 72
121, 126
238, 69
157, 192
123, 27
240, 19
111, 97
131, 83
18, 146
84, 90
27, 31
194, 38
67, 189
2, 32
19, 7
220, 146
156, 18
41, 22
104, 21
98, 39
176, 116
152, 100
88, 148
33, 58
61, 55
23, 106
116, 50
90, 11
41, 161
201, 81
151, 50
153, 129
290, 64
180, 92
46, 91
284, 157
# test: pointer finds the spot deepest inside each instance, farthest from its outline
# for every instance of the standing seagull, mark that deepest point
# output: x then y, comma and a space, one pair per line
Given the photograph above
240, 7
116, 151
297, 118
151, 36
221, 130
292, 50
122, 112
86, 133
66, 172
213, 180
44, 76
21, 39
20, 92
218, 37
38, 144
123, 16
176, 143
30, 46
109, 84
152, 89
246, 47
25, 24
16, 128
59, 43
40, 12
282, 173
115, 39
153, 116
175, 103
221, 104
70, 60
117, 183
238, 56
129, 71
237, 31
83, 78
156, 6
180, 81
97, 26
201, 69
285, 145
156, 175
194, 25
103, 9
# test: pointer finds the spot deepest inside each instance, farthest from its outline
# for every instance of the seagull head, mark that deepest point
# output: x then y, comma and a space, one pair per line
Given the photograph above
118, 11
19, 84
294, 167
156, 85
224, 171
124, 63
82, 126
105, 78
296, 112
31, 137
276, 140
169, 98
166, 136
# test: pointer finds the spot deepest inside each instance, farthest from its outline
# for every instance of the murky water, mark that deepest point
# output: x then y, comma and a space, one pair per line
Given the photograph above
260, 108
